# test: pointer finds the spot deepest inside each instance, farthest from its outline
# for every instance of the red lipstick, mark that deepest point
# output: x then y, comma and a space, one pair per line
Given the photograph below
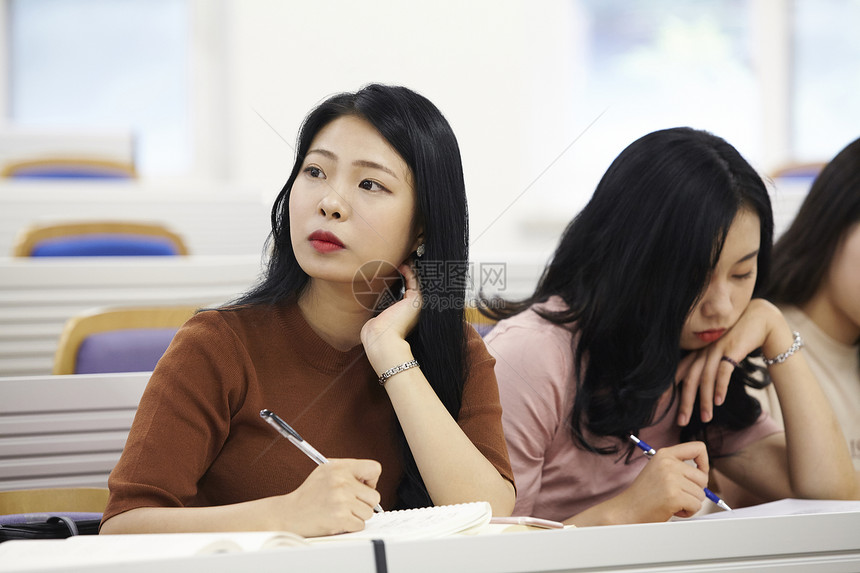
325, 242
709, 336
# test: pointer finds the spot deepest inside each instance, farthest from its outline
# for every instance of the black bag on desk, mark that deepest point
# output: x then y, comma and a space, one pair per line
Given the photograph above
54, 527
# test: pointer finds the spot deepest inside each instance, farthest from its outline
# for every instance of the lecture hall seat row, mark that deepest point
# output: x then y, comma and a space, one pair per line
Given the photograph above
39, 296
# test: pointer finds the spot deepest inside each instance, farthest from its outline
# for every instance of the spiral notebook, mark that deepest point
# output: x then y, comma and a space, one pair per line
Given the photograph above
420, 523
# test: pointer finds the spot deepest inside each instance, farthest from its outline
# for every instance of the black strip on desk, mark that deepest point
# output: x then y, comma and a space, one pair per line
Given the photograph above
379, 555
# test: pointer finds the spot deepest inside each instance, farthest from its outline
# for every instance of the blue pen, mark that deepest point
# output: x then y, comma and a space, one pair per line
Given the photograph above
649, 451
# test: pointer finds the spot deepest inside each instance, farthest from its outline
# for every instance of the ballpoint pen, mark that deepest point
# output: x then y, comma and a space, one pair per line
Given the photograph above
649, 451
293, 436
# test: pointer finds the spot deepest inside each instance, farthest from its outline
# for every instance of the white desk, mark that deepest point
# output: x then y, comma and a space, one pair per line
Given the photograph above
799, 543
65, 431
96, 411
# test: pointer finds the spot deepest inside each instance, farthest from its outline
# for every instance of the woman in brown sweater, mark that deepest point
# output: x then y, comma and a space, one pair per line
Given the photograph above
355, 336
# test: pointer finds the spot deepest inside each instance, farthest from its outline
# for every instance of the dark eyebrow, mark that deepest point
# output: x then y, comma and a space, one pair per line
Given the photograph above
374, 165
357, 163
748, 257
324, 152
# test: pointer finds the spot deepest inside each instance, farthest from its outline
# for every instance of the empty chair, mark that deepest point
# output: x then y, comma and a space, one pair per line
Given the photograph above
118, 339
67, 153
483, 324
798, 170
51, 512
68, 168
98, 238
78, 499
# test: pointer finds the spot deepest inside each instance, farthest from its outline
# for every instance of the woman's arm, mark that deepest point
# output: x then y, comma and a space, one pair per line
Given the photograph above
453, 468
811, 459
336, 497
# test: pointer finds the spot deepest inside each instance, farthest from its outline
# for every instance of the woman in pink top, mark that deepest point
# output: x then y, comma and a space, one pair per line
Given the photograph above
644, 323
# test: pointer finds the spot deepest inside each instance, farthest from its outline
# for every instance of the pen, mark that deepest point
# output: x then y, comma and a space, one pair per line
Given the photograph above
649, 451
525, 520
285, 430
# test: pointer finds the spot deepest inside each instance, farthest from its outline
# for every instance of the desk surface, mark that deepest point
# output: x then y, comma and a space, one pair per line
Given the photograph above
814, 542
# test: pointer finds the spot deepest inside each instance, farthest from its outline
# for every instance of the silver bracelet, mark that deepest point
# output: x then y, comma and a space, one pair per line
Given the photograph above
396, 370
795, 346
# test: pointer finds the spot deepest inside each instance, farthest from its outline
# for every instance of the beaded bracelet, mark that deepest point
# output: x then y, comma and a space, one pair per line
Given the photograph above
795, 346
396, 370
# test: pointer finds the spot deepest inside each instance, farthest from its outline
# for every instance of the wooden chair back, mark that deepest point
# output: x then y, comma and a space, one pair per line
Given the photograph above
78, 328
481, 323
76, 499
29, 238
68, 168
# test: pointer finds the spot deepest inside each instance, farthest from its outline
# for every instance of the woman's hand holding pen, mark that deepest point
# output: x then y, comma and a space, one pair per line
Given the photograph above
667, 486
707, 371
337, 497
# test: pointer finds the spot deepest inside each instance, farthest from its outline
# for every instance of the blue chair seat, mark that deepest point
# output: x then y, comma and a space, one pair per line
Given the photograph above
127, 350
105, 245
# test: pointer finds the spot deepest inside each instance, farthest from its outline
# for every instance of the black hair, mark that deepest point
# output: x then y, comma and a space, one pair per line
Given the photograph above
421, 135
632, 265
804, 252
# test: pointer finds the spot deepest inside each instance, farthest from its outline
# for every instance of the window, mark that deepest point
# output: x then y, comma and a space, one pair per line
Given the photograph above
642, 66
105, 64
826, 78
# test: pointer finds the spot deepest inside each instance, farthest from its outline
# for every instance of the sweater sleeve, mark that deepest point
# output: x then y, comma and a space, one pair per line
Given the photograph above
480, 410
183, 418
532, 371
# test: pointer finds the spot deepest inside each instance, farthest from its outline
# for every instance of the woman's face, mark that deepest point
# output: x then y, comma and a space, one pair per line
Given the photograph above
730, 287
352, 203
840, 288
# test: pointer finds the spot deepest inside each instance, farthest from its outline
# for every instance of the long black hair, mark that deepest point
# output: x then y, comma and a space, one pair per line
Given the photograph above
803, 254
421, 135
630, 268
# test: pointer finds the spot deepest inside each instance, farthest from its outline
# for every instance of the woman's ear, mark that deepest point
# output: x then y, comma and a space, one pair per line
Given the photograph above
418, 245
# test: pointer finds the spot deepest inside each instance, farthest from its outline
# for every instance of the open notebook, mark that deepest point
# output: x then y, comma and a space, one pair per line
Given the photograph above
423, 522
99, 549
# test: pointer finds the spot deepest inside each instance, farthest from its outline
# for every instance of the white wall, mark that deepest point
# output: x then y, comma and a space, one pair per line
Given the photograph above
510, 76
472, 59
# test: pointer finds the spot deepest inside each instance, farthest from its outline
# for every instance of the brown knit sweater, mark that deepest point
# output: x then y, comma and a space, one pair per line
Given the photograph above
198, 439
